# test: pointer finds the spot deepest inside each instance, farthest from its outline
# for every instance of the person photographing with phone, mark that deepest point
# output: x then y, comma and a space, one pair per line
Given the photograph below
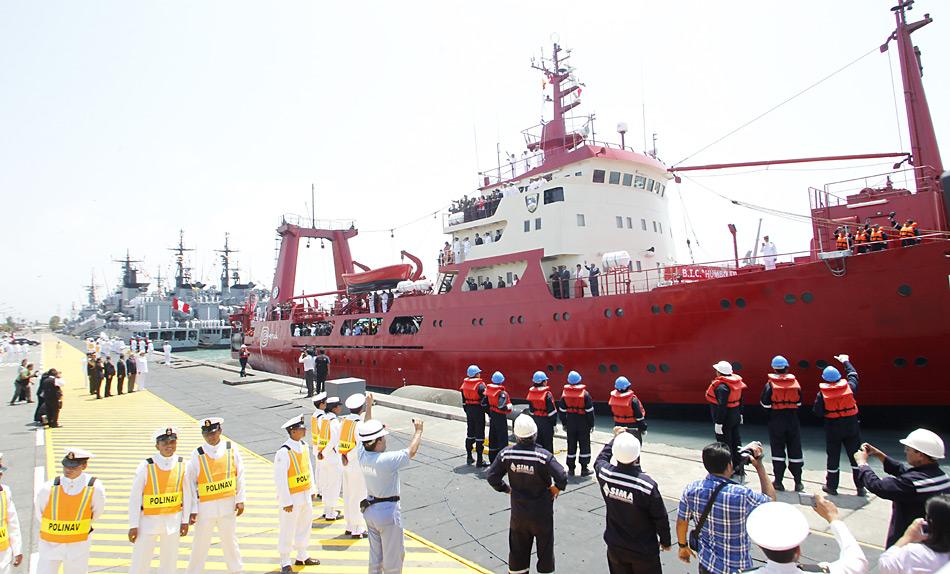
720, 507
925, 545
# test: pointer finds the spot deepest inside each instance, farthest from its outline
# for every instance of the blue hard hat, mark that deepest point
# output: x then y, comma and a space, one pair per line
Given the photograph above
779, 362
622, 384
539, 377
831, 375
573, 378
473, 370
497, 378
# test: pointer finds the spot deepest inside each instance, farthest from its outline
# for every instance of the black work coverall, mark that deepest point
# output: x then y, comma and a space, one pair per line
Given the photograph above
841, 431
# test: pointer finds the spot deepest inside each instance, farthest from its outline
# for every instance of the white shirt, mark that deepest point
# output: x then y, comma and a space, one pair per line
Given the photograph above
466, 246
72, 487
913, 557
141, 364
13, 527
769, 249
488, 238
221, 506
309, 363
156, 523
851, 559
281, 464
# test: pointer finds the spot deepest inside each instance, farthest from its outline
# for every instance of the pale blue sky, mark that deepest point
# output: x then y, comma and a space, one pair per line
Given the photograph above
121, 122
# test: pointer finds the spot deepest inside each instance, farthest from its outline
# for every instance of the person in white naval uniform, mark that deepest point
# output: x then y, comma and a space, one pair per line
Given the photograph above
11, 551
141, 368
65, 507
779, 529
331, 465
354, 485
167, 349
769, 253
320, 405
215, 473
159, 506
295, 496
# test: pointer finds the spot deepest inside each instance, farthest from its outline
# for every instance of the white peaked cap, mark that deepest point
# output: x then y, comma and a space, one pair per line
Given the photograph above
355, 401
925, 441
207, 422
777, 526
169, 430
723, 367
626, 449
319, 398
525, 426
294, 422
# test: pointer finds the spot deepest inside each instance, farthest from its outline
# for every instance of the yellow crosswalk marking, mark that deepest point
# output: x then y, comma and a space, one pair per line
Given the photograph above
118, 432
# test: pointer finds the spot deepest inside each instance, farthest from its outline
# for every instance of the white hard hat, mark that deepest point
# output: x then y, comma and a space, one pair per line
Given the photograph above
723, 367
925, 441
370, 430
777, 526
525, 427
626, 449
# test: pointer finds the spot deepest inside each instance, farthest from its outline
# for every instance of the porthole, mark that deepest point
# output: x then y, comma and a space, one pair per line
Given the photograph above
474, 322
651, 367
481, 321
614, 368
521, 319
920, 361
789, 298
736, 367
551, 368
655, 309
557, 317
566, 316
560, 368
667, 308
664, 368
821, 364
602, 368
803, 364
361, 361
904, 290
433, 323
511, 319
725, 304
374, 362
608, 313
900, 362
619, 312
441, 324
807, 297
740, 303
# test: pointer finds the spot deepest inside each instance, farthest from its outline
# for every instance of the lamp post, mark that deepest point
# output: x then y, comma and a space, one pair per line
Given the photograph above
735, 244
622, 130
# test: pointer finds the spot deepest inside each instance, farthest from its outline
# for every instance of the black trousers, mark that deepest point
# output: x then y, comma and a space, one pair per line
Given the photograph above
95, 386
497, 434
321, 381
119, 382
730, 436
243, 362
475, 431
578, 436
40, 411
785, 439
844, 431
622, 561
52, 413
21, 391
545, 436
109, 385
527, 527
308, 378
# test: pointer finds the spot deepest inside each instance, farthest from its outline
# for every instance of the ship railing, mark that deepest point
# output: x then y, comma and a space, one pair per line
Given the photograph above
308, 222
471, 210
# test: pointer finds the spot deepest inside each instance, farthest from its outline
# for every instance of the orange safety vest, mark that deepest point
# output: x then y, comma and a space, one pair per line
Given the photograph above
4, 520
786, 392
573, 397
491, 392
537, 398
217, 477
164, 489
67, 518
841, 240
839, 399
907, 231
622, 408
735, 384
315, 428
877, 235
323, 432
298, 473
469, 391
347, 435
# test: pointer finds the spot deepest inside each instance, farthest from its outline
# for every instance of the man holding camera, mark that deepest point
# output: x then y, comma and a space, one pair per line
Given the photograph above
720, 508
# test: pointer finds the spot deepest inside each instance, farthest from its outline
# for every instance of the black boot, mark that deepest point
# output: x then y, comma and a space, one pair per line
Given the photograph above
469, 443
585, 471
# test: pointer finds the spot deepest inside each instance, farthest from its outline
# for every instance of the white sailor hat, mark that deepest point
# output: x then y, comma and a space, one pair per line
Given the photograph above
319, 398
294, 423
2, 467
356, 401
211, 424
370, 430
777, 526
74, 457
332, 402
167, 433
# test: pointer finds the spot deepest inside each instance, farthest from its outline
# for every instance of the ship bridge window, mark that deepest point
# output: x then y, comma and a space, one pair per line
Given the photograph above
643, 224
581, 221
629, 223
619, 222
537, 223
639, 182
357, 327
599, 175
316, 329
405, 325
649, 185
628, 179
662, 188
553, 195
527, 225
615, 177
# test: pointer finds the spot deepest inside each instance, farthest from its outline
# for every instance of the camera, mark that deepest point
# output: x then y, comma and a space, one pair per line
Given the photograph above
747, 451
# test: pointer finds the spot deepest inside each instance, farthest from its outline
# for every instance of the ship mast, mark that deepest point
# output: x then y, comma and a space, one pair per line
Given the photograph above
91, 289
226, 265
182, 275
555, 140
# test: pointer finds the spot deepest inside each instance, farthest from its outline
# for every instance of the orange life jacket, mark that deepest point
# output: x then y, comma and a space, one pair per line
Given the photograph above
621, 405
841, 240
4, 522
861, 236
469, 390
839, 399
298, 472
786, 392
217, 477
492, 391
907, 231
877, 234
735, 384
574, 399
163, 492
537, 397
67, 518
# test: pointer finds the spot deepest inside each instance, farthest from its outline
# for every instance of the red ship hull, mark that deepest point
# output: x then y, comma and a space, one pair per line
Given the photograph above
889, 311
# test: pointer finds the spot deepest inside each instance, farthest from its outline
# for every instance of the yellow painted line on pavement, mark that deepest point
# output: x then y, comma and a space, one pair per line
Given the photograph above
117, 430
